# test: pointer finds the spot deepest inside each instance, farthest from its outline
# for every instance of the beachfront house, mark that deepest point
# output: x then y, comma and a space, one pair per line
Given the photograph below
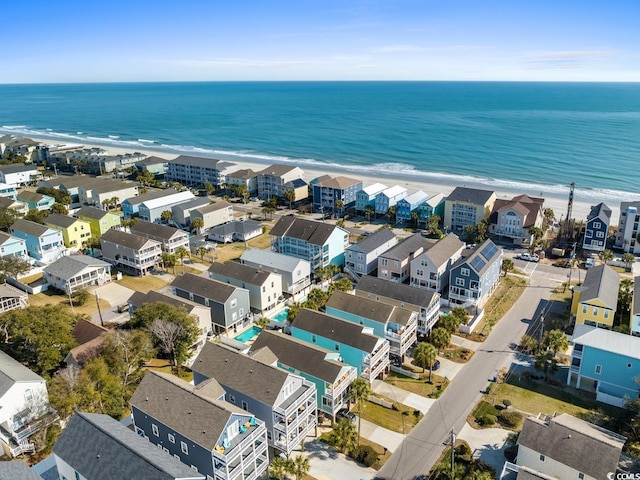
300, 189
627, 233
563, 446
130, 252
321, 244
366, 197
35, 200
434, 205
92, 444
24, 404
596, 230
272, 180
172, 415
284, 401
265, 288
635, 307
181, 213
394, 263
511, 220
213, 214
230, 306
425, 303
605, 362
170, 238
473, 278
319, 366
595, 302
151, 210
362, 258
100, 221
75, 232
17, 207
430, 269
130, 206
7, 191
406, 207
356, 344
294, 272
196, 171
18, 175
246, 178
74, 272
397, 325
328, 191
106, 193
467, 206
235, 231
155, 165
389, 198
11, 246
43, 243
12, 299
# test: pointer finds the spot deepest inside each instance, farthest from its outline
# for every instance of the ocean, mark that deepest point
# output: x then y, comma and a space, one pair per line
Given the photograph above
498, 134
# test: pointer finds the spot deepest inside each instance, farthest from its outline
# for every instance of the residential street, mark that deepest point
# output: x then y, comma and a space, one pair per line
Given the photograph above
423, 446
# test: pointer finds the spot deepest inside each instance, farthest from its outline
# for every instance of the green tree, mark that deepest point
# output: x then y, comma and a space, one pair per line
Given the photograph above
290, 196
145, 178
450, 323
279, 467
507, 266
359, 391
625, 296
63, 393
425, 354
37, 216
198, 224
262, 322
7, 218
628, 259
368, 211
201, 252
548, 217
345, 435
300, 466
391, 213
433, 225
12, 267
469, 234
38, 336
461, 314
59, 208
556, 341
440, 338
180, 253
339, 205
100, 390
80, 297
166, 216
528, 344
546, 363
169, 260
126, 352
606, 256
343, 285
209, 188
482, 230
293, 311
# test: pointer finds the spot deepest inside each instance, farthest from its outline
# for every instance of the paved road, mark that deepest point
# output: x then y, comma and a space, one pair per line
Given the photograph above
424, 445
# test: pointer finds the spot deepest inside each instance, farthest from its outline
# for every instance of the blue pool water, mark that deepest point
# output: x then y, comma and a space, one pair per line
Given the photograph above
247, 335
281, 316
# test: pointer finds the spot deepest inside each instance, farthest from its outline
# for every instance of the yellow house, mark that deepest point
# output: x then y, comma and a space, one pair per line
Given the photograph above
595, 302
100, 220
74, 231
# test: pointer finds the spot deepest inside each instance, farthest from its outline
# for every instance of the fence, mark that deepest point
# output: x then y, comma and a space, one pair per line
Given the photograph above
380, 401
470, 327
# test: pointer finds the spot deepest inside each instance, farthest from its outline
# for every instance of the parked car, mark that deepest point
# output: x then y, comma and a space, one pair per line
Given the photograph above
528, 257
436, 365
344, 413
563, 263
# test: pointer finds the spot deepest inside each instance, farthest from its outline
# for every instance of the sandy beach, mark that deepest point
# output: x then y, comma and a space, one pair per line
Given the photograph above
555, 200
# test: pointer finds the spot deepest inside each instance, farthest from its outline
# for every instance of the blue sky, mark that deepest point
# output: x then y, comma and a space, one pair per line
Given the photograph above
211, 40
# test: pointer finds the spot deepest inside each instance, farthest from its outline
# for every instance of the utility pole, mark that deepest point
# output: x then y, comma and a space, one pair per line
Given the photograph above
99, 309
541, 330
453, 451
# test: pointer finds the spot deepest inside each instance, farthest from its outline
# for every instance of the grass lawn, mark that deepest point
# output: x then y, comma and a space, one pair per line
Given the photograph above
457, 354
143, 284
401, 420
419, 386
48, 298
163, 365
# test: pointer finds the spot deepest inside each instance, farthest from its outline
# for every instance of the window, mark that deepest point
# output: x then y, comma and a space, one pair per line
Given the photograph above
154, 429
184, 448
337, 347
581, 475
598, 369
232, 399
171, 437
385, 262
234, 303
264, 289
542, 458
606, 314
464, 271
588, 234
314, 339
600, 234
460, 282
584, 308
595, 312
245, 406
597, 225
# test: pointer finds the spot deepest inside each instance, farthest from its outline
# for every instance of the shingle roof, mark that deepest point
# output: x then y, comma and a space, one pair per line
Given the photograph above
300, 355
213, 207
375, 240
69, 266
137, 200
7, 291
335, 329
408, 247
91, 212
240, 372
243, 174
17, 470
444, 249
29, 227
5, 237
12, 371
205, 287
195, 203
110, 186
152, 160
202, 162
580, 445
470, 195
277, 170
138, 299
601, 282
243, 273
315, 233
236, 226
338, 183
62, 221
168, 199
128, 240
97, 446
396, 291
482, 257
527, 206
193, 411
164, 232
8, 203
366, 308
273, 260
600, 211
23, 167
30, 196
85, 331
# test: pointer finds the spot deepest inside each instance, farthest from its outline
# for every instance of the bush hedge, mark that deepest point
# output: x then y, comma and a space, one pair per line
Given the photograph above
510, 419
488, 420
365, 454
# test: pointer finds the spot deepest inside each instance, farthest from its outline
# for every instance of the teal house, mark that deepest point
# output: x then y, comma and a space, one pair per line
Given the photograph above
320, 366
35, 201
434, 205
605, 362
356, 344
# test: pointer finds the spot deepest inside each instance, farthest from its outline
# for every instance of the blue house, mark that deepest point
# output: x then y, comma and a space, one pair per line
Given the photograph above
35, 201
321, 244
43, 243
130, 206
358, 345
409, 204
596, 230
367, 196
389, 198
606, 362
327, 191
476, 275
11, 246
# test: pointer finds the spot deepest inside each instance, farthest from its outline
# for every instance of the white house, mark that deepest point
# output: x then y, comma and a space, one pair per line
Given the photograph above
74, 272
18, 175
430, 269
213, 214
295, 272
388, 198
362, 258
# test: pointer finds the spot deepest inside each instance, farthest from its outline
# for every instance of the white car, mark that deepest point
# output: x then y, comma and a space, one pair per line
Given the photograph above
528, 257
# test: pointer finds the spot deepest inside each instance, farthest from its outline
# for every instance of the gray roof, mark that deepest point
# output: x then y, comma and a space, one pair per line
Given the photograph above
62, 221
193, 411
444, 249
109, 186
243, 273
6, 202
148, 229
636, 296
375, 240
608, 341
201, 162
276, 170
4, 237
396, 291
127, 240
241, 373
271, 259
20, 167
151, 195
97, 446
580, 445
243, 174
139, 298
602, 283
296, 183
69, 266
471, 195
152, 160
407, 247
366, 308
212, 207
236, 226
7, 291
315, 233
337, 183
30, 196
91, 212
195, 203
17, 470
340, 331
600, 211
12, 371
300, 355
29, 227
481, 258
205, 287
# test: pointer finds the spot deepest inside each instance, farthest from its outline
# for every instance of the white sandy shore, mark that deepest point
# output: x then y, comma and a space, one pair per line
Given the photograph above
555, 200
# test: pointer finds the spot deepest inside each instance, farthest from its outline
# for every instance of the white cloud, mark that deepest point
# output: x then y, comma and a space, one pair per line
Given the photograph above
419, 48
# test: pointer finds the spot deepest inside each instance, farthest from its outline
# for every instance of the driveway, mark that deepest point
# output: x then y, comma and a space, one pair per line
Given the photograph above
328, 464
448, 368
487, 444
382, 436
397, 394
114, 293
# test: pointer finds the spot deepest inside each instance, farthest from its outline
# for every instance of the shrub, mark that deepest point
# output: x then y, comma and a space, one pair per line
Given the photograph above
488, 420
488, 389
80, 297
506, 402
365, 454
463, 449
510, 419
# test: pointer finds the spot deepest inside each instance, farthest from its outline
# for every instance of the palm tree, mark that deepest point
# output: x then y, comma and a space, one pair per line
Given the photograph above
368, 211
339, 205
105, 203
166, 215
300, 466
345, 434
606, 256
278, 468
391, 212
262, 322
440, 338
181, 252
359, 391
290, 196
202, 251
425, 355
414, 218
114, 201
625, 295
507, 266
168, 260
557, 341
197, 223
628, 259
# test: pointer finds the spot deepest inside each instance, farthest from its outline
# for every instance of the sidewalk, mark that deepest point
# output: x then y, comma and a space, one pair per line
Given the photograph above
382, 436
402, 396
463, 342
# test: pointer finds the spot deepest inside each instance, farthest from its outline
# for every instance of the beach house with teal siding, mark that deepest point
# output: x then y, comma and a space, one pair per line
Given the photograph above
606, 362
35, 201
367, 196
410, 204
434, 205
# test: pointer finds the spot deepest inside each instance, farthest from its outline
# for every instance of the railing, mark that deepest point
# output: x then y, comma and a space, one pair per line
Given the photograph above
22, 448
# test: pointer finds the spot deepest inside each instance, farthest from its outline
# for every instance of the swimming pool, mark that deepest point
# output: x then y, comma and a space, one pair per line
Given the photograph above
247, 335
281, 316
